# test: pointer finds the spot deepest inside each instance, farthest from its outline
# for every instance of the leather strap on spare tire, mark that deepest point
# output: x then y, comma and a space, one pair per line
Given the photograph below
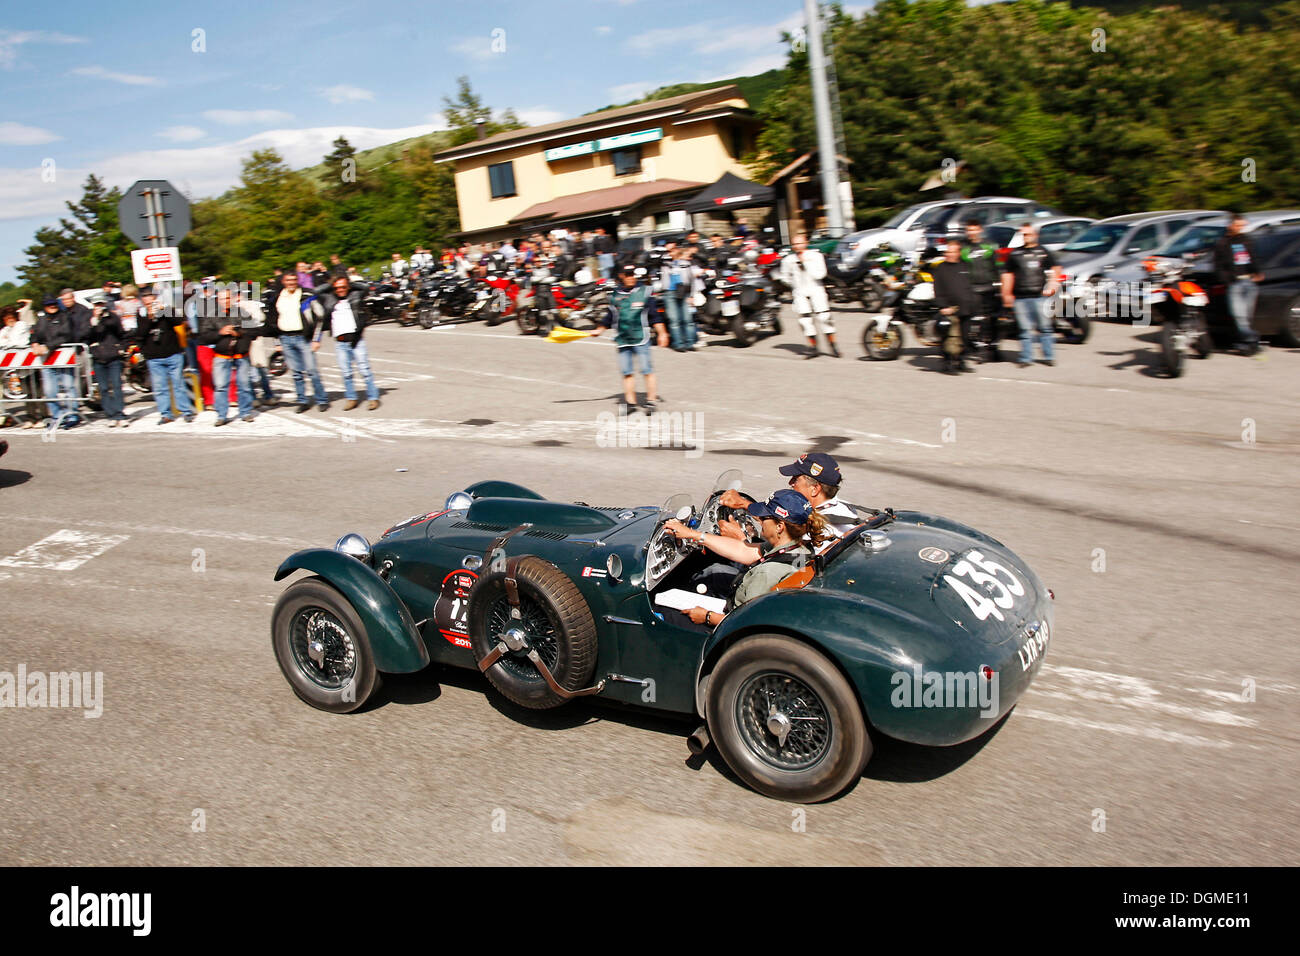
532, 633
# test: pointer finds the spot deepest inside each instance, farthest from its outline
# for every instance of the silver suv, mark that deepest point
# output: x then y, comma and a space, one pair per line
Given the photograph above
1088, 259
907, 230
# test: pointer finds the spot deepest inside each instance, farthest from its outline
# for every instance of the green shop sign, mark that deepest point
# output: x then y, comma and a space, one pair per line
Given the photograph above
601, 145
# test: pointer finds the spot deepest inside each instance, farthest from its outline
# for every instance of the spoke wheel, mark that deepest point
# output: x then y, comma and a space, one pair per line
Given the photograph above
786, 720
783, 721
322, 647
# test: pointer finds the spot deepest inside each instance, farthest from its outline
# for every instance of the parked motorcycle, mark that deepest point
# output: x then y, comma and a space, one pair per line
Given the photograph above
547, 304
856, 284
1180, 305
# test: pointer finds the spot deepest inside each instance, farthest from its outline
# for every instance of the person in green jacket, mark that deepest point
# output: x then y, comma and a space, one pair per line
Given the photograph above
631, 319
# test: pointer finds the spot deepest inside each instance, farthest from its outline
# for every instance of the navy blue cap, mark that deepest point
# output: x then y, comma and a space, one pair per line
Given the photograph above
784, 505
48, 301
816, 465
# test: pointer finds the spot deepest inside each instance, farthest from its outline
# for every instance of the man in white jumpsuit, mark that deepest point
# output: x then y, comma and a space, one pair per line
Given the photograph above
803, 270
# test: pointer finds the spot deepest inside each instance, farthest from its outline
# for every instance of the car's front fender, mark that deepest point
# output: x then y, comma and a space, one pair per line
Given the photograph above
394, 638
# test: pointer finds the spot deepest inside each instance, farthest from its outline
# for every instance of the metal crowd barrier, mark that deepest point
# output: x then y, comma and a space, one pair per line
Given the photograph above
20, 378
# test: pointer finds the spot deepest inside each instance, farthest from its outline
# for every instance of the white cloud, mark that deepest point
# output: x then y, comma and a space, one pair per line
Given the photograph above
254, 117
131, 79
604, 31
202, 170
16, 134
181, 134
631, 91
342, 93
476, 48
539, 116
12, 40
712, 37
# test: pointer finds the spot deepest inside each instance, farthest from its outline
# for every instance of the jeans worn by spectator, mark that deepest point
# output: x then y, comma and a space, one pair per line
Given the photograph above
1033, 314
681, 321
60, 383
1241, 304
348, 353
221, 369
606, 260
168, 380
302, 362
109, 377
262, 378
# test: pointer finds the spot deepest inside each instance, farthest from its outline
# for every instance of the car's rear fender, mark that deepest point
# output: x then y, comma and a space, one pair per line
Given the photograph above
394, 639
854, 633
871, 643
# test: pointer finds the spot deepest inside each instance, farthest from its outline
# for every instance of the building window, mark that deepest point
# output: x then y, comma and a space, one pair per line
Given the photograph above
501, 177
627, 160
737, 142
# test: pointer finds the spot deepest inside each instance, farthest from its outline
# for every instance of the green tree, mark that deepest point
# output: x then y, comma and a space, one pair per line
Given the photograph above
82, 251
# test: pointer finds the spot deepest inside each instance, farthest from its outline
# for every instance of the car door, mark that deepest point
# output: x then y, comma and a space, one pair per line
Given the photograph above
1281, 286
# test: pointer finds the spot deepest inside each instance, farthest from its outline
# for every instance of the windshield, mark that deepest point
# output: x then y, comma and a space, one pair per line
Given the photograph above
1192, 239
677, 506
930, 216
1099, 238
899, 218
1001, 235
729, 480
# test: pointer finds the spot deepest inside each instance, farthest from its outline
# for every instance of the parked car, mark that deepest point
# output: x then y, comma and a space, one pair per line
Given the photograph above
1108, 244
1277, 311
1053, 231
553, 601
951, 223
1125, 285
901, 232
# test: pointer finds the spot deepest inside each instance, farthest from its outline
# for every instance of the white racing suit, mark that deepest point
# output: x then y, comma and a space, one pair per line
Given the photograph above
810, 302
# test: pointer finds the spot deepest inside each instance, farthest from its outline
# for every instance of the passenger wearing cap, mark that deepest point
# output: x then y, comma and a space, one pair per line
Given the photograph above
816, 476
791, 530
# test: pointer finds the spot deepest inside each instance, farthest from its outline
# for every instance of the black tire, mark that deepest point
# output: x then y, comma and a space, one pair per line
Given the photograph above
526, 318
276, 365
314, 608
873, 295
1080, 328
823, 756
1204, 345
1289, 332
744, 337
886, 346
556, 621
1172, 354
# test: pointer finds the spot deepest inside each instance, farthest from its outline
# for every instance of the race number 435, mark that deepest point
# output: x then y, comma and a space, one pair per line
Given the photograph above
987, 587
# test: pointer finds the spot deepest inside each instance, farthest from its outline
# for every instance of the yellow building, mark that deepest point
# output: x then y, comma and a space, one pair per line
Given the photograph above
626, 169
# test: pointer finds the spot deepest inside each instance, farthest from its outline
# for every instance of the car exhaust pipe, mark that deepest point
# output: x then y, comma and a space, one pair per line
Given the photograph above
698, 742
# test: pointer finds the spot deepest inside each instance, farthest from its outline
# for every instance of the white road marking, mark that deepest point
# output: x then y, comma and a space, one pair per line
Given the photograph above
1018, 381
228, 534
64, 550
1129, 730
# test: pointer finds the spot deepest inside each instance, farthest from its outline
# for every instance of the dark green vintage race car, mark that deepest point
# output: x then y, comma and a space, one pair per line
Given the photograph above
910, 625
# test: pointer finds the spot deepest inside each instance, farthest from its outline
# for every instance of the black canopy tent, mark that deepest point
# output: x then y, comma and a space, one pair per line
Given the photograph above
730, 192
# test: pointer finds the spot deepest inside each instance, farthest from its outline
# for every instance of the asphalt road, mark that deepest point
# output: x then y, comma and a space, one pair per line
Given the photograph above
1167, 707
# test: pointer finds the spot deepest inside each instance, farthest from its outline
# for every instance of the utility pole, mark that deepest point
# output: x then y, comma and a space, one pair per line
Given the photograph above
826, 156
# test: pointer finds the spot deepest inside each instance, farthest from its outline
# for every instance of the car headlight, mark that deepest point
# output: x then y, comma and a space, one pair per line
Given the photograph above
355, 545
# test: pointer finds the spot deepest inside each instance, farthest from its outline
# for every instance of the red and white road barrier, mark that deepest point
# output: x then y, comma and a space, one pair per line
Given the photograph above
66, 357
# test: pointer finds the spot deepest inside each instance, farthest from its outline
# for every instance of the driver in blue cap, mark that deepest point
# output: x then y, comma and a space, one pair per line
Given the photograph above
816, 476
791, 530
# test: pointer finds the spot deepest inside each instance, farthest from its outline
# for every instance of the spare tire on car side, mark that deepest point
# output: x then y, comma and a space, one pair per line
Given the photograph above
553, 618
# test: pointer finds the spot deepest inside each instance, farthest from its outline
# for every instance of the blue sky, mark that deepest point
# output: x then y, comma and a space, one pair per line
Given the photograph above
119, 90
